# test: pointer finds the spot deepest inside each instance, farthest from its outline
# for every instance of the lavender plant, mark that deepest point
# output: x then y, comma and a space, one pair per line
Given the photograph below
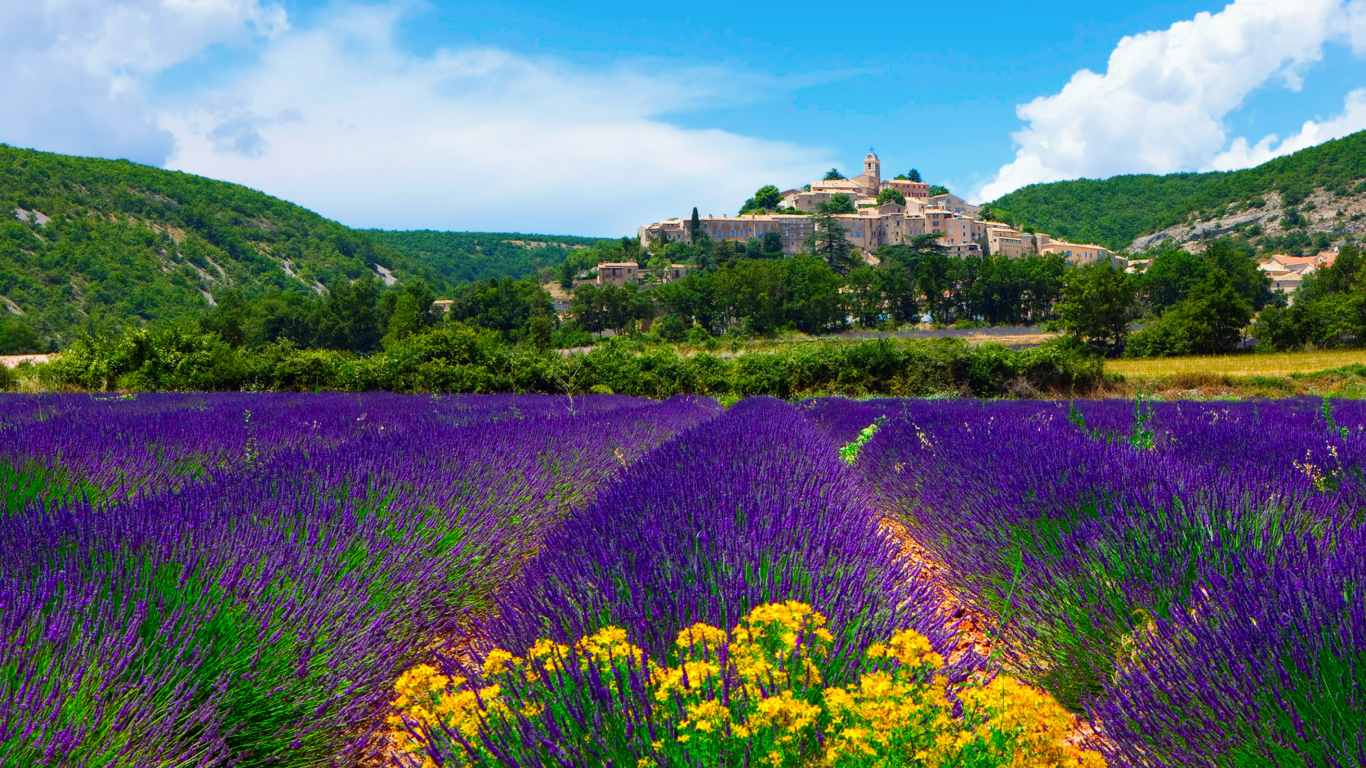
257, 611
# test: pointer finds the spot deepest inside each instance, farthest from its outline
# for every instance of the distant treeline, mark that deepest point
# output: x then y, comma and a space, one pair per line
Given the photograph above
462, 257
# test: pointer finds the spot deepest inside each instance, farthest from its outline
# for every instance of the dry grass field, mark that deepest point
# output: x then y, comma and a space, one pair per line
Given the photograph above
1276, 364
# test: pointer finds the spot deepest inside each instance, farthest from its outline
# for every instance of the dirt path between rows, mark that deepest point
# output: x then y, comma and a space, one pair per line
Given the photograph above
972, 627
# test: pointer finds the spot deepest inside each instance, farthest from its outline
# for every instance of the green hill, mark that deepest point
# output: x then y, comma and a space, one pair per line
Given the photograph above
466, 256
96, 243
1116, 211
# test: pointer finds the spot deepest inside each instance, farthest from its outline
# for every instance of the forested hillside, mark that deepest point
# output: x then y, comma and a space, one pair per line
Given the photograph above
467, 256
1115, 212
93, 244
97, 242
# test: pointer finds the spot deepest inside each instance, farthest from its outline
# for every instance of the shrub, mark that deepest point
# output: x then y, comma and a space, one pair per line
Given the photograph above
753, 695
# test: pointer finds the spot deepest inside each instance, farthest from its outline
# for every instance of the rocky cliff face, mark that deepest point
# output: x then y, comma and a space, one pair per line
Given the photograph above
1334, 216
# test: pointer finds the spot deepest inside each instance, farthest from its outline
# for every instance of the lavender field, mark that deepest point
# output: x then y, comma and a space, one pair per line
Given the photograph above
301, 580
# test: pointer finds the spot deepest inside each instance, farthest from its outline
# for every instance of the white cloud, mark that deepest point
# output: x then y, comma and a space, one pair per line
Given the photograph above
340, 120
74, 69
1312, 133
1159, 106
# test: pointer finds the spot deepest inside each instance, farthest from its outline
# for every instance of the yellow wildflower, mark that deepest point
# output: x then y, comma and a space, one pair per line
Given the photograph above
499, 661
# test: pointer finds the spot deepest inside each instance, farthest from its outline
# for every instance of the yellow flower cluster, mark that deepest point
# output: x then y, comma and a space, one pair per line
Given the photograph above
758, 690
1036, 720
428, 700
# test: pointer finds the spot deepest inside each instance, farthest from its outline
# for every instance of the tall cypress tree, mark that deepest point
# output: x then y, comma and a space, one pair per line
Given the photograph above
695, 226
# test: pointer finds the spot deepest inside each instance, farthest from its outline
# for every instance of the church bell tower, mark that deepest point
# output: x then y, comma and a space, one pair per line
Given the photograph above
872, 167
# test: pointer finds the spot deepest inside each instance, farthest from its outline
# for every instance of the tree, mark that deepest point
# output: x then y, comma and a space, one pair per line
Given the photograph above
630, 249
839, 203
1344, 275
829, 243
659, 266
914, 175
1235, 258
1209, 321
864, 298
768, 198
695, 233
406, 320
936, 190
773, 245
704, 256
833, 175
1097, 302
1214, 315
898, 290
19, 337
935, 280
228, 318
348, 318
503, 305
890, 195
622, 306
1169, 278
587, 308
538, 332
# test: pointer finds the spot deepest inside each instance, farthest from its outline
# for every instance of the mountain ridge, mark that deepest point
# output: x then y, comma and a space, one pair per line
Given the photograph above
1119, 212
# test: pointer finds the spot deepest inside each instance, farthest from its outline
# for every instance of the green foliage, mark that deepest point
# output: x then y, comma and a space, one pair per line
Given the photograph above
125, 242
762, 295
506, 306
833, 175
615, 307
1174, 274
1115, 211
458, 358
936, 190
670, 328
175, 357
828, 241
838, 203
1329, 309
890, 195
1209, 321
464, 257
18, 336
1097, 303
767, 199
849, 451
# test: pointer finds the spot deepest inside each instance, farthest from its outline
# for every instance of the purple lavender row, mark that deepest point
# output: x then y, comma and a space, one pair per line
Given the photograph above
261, 613
751, 509
1266, 667
1086, 536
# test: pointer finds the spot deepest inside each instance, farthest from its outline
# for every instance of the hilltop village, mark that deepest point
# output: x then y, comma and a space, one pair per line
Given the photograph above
877, 213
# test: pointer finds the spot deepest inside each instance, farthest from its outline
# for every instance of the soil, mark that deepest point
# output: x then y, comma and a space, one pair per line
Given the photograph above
972, 627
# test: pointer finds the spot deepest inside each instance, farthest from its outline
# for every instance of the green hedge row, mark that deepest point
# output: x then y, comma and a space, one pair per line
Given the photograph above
461, 359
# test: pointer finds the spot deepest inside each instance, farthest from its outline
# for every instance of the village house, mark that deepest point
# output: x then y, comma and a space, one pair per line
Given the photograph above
624, 273
1287, 273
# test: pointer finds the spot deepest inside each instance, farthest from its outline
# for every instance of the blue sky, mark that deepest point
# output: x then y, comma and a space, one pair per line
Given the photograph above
592, 118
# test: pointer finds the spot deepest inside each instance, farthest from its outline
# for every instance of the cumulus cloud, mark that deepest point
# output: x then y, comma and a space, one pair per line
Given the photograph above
74, 69
341, 120
1159, 106
1242, 155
